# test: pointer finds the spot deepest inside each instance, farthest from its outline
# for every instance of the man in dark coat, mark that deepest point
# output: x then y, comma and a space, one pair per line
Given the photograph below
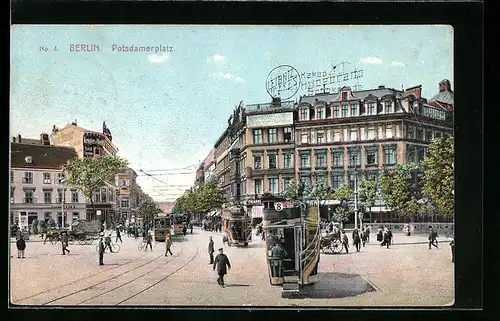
101, 250
452, 244
278, 253
345, 242
356, 240
211, 250
389, 237
432, 238
221, 261
21, 245
64, 243
118, 235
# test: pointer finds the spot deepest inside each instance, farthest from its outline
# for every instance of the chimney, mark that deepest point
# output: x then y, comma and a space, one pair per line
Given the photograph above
381, 87
18, 138
44, 139
13, 139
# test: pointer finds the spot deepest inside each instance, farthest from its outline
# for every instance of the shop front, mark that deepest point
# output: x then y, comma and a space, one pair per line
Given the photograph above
25, 214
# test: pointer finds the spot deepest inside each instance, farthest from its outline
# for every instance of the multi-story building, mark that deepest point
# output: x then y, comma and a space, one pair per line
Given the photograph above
205, 169
222, 163
89, 143
44, 140
128, 191
36, 185
268, 153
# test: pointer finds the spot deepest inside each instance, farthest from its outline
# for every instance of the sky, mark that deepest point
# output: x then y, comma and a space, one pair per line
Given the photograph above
166, 109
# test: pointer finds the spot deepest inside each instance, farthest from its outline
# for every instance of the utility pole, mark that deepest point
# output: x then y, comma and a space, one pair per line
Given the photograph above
63, 219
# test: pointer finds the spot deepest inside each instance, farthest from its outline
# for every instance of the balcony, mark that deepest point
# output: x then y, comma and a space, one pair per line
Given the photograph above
30, 200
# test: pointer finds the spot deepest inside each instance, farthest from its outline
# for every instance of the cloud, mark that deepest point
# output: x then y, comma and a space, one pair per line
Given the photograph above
229, 76
397, 63
371, 60
215, 58
157, 59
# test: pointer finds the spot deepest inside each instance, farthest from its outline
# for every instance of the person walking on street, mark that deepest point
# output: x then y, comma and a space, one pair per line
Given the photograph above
191, 227
356, 240
389, 237
118, 235
221, 261
64, 243
432, 238
211, 250
168, 244
107, 241
380, 235
278, 254
21, 245
149, 239
384, 237
101, 250
452, 244
367, 234
345, 242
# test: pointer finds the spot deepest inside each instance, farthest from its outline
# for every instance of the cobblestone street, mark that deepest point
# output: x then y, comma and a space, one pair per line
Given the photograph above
406, 274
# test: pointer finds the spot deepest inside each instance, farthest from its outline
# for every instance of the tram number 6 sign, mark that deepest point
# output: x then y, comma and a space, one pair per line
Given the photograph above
278, 206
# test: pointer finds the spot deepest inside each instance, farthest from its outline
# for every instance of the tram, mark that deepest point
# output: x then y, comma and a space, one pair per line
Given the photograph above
293, 236
237, 226
179, 223
161, 228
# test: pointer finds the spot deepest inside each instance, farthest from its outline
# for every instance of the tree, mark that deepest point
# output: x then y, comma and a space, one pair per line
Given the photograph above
147, 210
344, 210
399, 190
438, 177
91, 174
204, 199
291, 191
368, 194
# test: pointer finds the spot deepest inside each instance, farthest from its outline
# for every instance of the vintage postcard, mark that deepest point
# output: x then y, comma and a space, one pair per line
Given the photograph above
232, 166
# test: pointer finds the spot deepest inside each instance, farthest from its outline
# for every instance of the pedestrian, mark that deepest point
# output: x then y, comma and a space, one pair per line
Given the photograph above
432, 238
380, 235
221, 261
452, 244
345, 242
19, 233
101, 249
356, 240
263, 235
168, 244
278, 254
21, 245
389, 236
384, 237
118, 235
64, 242
149, 240
211, 250
107, 242
367, 234
191, 226
184, 229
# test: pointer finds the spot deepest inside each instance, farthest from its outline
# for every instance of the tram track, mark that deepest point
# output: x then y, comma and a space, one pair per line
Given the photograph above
78, 280
161, 280
112, 278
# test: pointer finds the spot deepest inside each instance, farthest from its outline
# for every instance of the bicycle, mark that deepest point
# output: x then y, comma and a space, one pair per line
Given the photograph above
114, 246
143, 246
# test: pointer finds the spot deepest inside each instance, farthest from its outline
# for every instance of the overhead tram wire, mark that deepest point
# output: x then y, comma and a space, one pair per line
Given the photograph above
159, 180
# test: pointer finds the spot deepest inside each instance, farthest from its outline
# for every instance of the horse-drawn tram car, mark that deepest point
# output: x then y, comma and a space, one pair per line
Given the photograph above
293, 237
237, 226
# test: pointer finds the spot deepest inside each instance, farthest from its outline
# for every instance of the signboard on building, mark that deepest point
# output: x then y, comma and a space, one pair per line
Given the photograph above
90, 142
277, 119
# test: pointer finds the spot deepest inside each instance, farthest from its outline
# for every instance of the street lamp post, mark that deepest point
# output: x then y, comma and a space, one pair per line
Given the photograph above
355, 192
63, 217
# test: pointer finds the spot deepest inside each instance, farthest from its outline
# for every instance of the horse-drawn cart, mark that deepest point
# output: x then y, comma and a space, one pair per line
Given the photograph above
84, 232
331, 243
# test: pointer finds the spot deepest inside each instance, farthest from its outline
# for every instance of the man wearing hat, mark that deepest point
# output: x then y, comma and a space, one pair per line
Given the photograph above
221, 261
101, 249
211, 250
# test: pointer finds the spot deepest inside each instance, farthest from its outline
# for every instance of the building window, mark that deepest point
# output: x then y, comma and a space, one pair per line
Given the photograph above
12, 176
321, 180
354, 158
273, 185
257, 136
272, 135
125, 203
352, 181
354, 109
28, 178
97, 151
338, 159
287, 160
371, 133
46, 178
258, 186
437, 135
123, 183
371, 156
304, 114
74, 196
321, 114
388, 107
257, 162
12, 195
371, 108
60, 177
411, 132
104, 195
320, 160
429, 135
344, 96
354, 134
287, 134
389, 155
321, 137
345, 110
272, 160
304, 161
336, 111
59, 196
304, 138
388, 131
28, 196
371, 176
337, 181
420, 134
306, 180
336, 135
286, 182
47, 196
97, 197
